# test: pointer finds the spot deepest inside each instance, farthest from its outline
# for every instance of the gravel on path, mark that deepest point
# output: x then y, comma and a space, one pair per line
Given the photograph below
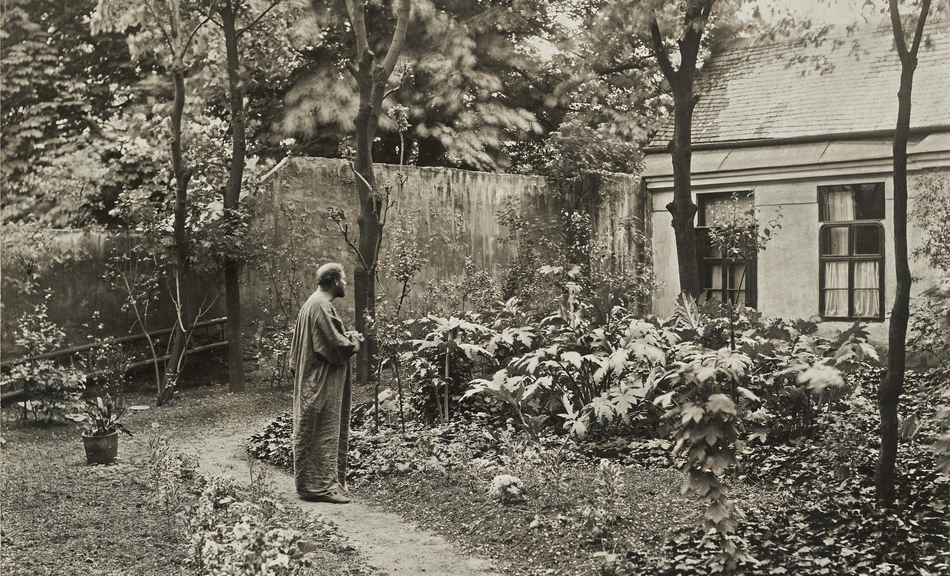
388, 542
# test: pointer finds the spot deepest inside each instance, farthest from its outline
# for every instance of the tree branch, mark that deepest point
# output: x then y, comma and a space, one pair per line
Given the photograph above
898, 27
259, 18
158, 22
193, 32
356, 9
399, 38
659, 50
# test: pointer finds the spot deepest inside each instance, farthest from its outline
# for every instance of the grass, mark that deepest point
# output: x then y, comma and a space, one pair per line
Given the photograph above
63, 517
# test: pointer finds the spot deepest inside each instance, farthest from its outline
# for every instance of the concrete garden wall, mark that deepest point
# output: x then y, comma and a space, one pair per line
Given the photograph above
454, 212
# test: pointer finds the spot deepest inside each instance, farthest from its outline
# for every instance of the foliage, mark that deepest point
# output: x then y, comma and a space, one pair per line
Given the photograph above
50, 387
230, 536
443, 359
536, 242
706, 421
402, 260
108, 365
610, 507
101, 418
61, 90
29, 250
929, 330
577, 148
474, 290
942, 444
273, 444
279, 258
168, 474
468, 81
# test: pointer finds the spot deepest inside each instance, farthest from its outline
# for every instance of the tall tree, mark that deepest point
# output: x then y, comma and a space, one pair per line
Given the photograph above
682, 208
634, 48
890, 391
230, 11
171, 28
469, 76
372, 74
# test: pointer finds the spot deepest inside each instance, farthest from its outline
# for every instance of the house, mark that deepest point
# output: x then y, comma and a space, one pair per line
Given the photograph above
804, 130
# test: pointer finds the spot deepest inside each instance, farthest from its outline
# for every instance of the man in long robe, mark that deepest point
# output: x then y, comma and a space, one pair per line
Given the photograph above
320, 357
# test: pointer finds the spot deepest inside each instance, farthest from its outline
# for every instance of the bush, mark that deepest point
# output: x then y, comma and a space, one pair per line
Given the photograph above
51, 388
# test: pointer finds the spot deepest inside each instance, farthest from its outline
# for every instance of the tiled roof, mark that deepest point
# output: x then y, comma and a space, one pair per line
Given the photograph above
845, 84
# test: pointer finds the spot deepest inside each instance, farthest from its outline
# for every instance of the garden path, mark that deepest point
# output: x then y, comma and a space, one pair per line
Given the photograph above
387, 541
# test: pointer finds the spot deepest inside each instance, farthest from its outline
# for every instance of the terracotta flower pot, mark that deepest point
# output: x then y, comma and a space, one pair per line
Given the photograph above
101, 449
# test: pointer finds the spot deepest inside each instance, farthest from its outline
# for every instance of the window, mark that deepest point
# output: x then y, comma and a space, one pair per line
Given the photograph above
725, 277
851, 245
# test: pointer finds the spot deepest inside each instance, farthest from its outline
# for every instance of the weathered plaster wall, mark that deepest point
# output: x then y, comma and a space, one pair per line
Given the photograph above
84, 301
454, 212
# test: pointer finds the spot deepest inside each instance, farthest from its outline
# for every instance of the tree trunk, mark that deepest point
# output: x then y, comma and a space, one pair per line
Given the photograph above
232, 195
180, 234
364, 276
372, 77
682, 208
892, 386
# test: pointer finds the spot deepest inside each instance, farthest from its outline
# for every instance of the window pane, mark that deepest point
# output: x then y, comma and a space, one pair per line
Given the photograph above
737, 276
851, 202
836, 288
869, 201
835, 204
867, 239
834, 241
724, 209
867, 303
714, 276
866, 292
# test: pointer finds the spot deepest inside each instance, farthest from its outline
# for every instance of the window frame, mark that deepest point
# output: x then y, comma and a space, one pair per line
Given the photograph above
704, 247
851, 257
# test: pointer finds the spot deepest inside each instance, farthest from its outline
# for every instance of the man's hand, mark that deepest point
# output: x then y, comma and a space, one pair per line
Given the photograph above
355, 337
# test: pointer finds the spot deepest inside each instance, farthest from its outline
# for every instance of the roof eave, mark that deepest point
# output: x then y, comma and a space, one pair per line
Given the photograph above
810, 139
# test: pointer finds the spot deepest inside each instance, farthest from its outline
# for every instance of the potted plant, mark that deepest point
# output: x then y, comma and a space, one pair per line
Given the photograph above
101, 436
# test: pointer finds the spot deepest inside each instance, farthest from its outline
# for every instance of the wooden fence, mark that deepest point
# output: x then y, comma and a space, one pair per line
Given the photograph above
84, 352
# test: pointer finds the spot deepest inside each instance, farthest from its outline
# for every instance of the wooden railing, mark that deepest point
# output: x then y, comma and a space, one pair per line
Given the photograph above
220, 342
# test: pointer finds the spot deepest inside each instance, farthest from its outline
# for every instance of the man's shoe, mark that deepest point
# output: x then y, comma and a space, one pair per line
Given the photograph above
332, 497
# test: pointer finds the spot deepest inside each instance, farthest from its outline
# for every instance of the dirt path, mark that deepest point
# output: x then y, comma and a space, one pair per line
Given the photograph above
387, 541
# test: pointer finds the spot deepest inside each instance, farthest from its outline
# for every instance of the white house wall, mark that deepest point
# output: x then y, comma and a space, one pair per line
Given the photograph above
787, 279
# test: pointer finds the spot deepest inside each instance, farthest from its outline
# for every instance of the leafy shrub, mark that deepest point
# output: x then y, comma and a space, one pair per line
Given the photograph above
610, 505
274, 443
230, 535
51, 388
706, 421
442, 361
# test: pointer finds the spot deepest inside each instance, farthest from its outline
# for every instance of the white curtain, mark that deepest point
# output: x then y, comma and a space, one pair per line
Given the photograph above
866, 290
715, 282
836, 288
838, 206
837, 241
